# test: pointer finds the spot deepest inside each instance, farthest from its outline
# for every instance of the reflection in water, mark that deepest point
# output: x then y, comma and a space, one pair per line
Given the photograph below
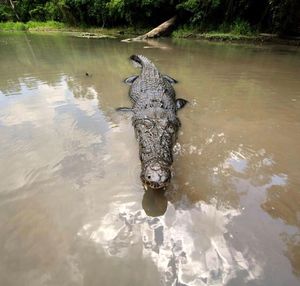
81, 88
154, 203
188, 246
70, 196
293, 251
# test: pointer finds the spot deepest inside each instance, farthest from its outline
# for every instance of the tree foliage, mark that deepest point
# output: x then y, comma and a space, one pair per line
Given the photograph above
282, 16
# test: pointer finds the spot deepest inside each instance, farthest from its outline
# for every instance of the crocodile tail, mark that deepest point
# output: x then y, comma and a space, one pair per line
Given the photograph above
140, 60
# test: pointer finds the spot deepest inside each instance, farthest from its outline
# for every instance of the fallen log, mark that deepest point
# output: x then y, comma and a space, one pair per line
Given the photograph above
162, 30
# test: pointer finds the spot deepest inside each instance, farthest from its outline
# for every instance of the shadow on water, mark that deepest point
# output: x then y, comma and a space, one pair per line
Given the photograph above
231, 214
154, 203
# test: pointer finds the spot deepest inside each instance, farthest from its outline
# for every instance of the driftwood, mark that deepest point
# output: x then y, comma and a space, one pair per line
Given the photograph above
163, 29
93, 36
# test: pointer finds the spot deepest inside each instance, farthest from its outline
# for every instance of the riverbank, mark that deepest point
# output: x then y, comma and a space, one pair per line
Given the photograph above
237, 33
120, 32
53, 26
254, 39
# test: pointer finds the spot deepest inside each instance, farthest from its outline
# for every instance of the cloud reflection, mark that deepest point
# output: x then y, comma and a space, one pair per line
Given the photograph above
188, 246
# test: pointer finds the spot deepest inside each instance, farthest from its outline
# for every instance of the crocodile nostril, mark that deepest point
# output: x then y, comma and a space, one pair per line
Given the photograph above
149, 177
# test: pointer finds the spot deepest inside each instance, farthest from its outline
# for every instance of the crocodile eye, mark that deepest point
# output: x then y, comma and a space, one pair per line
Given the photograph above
138, 132
147, 124
171, 129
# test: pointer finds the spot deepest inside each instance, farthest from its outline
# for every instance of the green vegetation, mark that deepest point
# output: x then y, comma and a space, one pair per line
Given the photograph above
240, 27
240, 17
184, 32
12, 26
237, 30
226, 37
31, 25
48, 25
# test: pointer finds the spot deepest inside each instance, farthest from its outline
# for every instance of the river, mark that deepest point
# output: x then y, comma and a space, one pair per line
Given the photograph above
73, 210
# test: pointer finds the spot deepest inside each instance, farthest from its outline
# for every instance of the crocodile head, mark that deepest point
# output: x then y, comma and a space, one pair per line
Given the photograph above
156, 174
156, 139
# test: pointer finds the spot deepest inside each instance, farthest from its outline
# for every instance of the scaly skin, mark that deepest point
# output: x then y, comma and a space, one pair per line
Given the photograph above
155, 122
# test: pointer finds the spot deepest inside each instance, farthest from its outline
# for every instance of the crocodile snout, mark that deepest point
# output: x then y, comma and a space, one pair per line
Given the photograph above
156, 175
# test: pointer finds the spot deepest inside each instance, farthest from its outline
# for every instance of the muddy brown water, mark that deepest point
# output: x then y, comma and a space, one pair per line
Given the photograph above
72, 208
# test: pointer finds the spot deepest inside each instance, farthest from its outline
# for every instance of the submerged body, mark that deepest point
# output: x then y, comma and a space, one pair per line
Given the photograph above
155, 121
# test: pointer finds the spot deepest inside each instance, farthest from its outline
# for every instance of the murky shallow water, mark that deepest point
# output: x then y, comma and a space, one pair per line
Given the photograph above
72, 208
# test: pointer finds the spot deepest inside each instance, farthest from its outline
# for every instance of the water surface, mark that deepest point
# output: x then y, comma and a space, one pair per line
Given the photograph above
72, 208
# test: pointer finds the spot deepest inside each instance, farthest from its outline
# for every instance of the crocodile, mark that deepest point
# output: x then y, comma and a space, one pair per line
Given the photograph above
155, 121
